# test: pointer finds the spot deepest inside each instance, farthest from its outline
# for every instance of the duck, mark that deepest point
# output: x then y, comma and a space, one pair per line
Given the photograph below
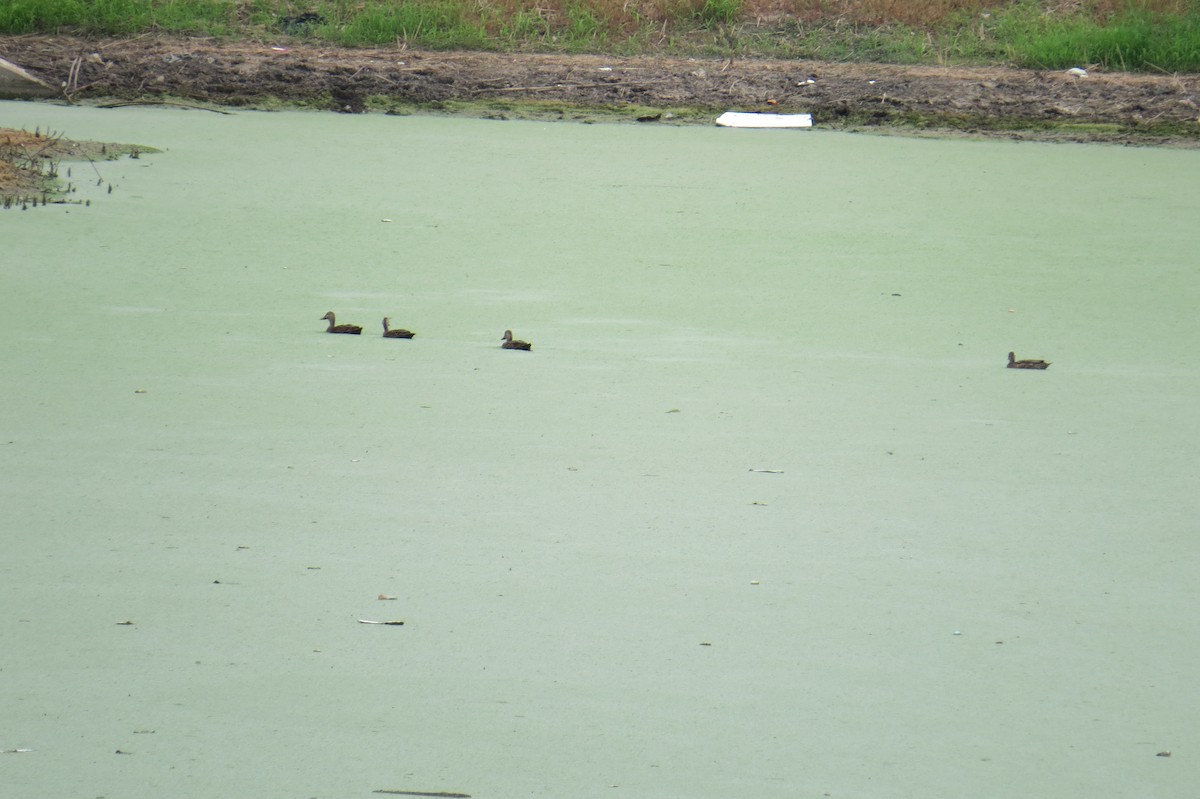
1013, 363
334, 327
397, 333
514, 344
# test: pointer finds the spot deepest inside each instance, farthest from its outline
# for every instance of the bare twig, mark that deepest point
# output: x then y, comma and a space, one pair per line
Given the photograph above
71, 86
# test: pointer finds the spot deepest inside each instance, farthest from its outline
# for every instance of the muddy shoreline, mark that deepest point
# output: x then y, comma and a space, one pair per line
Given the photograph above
992, 101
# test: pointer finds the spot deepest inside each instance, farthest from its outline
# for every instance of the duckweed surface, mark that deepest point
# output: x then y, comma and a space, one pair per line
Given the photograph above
761, 514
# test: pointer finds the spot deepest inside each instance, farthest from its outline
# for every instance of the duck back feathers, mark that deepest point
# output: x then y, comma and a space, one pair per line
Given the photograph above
398, 332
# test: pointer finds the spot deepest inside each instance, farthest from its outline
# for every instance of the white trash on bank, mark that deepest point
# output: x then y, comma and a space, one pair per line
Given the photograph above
1078, 72
743, 119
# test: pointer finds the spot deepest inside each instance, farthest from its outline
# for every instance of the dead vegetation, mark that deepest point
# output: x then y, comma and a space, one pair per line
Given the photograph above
32, 169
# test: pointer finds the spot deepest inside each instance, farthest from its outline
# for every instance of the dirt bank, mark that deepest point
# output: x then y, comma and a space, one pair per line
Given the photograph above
1154, 109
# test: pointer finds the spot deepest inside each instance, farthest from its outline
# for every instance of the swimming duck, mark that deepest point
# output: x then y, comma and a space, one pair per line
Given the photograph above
512, 344
1013, 363
397, 333
334, 327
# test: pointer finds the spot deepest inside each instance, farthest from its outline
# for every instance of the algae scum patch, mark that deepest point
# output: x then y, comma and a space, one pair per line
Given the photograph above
31, 171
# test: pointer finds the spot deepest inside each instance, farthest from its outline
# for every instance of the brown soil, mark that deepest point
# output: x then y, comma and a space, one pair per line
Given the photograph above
1144, 109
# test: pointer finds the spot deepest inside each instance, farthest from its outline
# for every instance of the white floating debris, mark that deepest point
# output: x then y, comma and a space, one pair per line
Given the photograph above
1077, 72
744, 119
768, 471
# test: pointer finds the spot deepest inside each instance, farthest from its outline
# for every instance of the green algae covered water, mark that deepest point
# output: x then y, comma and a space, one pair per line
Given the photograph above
761, 514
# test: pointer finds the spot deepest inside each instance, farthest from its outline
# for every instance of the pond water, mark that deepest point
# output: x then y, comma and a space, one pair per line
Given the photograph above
761, 514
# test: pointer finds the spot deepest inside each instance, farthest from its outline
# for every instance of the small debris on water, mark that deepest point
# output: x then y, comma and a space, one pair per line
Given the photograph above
396, 623
384, 596
1163, 754
755, 582
124, 624
958, 632
768, 471
16, 751
139, 391
706, 643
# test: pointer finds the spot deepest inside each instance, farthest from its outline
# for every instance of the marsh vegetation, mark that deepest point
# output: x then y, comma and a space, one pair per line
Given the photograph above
34, 169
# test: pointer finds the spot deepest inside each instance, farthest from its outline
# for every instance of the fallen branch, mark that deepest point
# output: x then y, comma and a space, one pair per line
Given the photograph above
121, 103
565, 86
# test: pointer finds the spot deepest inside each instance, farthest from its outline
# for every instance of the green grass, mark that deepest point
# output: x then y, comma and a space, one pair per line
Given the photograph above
1161, 35
1132, 40
438, 24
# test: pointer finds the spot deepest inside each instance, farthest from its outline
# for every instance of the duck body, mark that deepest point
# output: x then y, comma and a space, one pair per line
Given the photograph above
509, 343
334, 327
399, 332
1013, 363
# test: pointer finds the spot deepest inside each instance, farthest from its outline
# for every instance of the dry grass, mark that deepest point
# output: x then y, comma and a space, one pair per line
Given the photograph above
21, 173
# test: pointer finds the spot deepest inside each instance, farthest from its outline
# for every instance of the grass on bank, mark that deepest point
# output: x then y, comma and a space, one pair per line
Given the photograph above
1157, 35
